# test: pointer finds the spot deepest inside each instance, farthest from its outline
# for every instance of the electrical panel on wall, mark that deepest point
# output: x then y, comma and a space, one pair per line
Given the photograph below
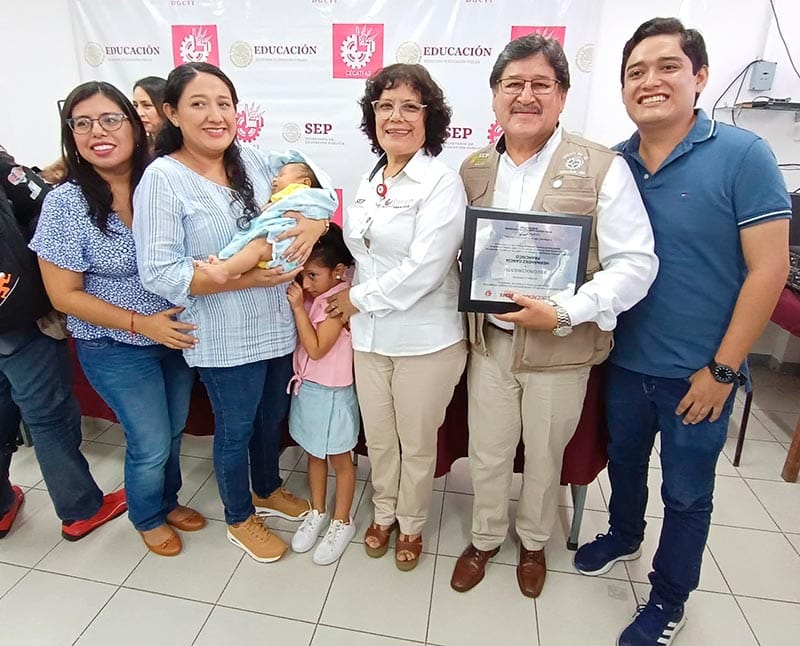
762, 75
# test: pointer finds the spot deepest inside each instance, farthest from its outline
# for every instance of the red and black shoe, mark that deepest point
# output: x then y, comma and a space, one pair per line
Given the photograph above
7, 519
113, 505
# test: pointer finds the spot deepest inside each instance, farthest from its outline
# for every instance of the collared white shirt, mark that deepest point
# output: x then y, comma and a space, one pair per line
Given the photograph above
625, 238
406, 247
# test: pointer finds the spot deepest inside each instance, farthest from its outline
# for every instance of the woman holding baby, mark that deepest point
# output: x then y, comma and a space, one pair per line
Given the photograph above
202, 188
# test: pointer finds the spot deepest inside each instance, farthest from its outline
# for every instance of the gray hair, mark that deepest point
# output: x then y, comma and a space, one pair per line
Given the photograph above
532, 45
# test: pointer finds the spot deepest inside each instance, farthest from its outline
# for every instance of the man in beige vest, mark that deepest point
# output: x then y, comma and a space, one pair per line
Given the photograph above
528, 370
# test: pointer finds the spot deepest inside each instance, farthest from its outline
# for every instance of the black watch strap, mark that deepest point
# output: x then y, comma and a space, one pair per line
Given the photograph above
725, 374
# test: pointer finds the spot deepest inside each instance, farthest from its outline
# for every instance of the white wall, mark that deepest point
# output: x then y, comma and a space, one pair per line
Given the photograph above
39, 67
736, 32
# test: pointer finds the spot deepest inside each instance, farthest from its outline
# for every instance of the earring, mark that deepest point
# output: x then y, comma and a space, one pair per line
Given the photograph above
338, 277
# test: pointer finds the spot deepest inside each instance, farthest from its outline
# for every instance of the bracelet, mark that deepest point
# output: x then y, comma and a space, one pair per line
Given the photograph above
133, 332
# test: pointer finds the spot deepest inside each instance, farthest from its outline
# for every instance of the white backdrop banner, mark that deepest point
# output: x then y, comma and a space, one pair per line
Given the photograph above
299, 66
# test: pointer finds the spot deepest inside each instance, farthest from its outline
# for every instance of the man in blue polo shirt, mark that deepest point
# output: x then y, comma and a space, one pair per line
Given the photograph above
719, 210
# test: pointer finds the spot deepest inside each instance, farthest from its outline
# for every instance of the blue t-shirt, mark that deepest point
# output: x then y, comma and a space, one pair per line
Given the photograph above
67, 237
718, 180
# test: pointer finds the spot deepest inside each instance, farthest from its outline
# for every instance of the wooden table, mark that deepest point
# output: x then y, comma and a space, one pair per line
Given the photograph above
787, 316
791, 467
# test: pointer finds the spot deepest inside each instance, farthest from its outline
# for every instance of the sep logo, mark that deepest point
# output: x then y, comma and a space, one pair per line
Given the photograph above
357, 50
291, 132
249, 122
241, 53
408, 52
454, 132
556, 32
318, 128
94, 54
195, 44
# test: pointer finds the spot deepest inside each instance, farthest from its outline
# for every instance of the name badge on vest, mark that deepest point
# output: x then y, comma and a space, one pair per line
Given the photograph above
480, 159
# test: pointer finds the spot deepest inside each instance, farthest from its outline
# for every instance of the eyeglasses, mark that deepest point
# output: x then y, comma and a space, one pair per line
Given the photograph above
409, 110
109, 121
517, 86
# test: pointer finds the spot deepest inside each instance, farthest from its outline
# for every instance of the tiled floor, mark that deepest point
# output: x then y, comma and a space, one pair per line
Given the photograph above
107, 590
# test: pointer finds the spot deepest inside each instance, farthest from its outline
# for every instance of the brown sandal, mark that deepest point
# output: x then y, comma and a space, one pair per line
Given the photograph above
375, 531
413, 547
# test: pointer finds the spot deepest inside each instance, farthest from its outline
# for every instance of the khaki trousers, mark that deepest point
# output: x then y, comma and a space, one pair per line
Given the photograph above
544, 408
403, 402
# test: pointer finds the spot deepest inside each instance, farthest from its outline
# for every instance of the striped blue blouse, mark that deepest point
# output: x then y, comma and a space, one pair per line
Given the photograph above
179, 216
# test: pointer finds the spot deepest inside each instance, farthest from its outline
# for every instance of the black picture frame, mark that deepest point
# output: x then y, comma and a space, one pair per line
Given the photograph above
466, 301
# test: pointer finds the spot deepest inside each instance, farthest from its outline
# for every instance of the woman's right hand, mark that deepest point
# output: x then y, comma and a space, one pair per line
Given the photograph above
270, 277
163, 329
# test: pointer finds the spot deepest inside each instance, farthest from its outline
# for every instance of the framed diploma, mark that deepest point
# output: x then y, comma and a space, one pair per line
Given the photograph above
540, 255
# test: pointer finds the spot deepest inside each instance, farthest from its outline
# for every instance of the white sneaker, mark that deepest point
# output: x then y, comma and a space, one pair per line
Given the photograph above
306, 535
335, 542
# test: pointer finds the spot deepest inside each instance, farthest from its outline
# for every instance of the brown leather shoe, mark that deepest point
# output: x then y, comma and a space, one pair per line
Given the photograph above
531, 572
172, 546
470, 568
186, 519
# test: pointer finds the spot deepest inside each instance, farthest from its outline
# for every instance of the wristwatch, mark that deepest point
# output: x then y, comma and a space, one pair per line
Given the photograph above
725, 374
563, 323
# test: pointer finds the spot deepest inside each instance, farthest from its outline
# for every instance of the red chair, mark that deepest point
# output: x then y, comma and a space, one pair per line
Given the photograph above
787, 315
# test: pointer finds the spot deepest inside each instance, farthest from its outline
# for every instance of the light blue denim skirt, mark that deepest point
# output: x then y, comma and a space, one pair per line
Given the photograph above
324, 420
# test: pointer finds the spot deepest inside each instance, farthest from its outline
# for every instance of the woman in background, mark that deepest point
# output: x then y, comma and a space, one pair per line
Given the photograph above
148, 99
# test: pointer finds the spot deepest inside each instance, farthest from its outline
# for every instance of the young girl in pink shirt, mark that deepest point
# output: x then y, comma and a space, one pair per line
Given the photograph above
324, 417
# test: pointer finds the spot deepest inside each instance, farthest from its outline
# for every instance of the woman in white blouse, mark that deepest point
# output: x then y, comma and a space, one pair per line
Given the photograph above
404, 230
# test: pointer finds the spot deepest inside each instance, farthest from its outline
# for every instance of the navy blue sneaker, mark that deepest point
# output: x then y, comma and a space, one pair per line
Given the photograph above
652, 626
599, 556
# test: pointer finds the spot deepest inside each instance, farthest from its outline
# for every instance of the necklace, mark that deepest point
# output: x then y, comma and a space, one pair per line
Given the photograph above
382, 189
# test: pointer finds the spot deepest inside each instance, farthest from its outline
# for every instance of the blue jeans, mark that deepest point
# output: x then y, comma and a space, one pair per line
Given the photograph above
250, 404
638, 406
148, 388
36, 382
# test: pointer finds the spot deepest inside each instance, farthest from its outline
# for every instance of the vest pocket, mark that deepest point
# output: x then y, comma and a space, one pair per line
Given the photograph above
475, 188
570, 195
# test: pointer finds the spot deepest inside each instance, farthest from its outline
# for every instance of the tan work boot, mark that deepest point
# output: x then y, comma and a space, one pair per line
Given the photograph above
283, 504
255, 538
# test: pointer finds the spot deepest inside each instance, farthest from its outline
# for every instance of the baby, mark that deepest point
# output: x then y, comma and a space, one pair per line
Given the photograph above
257, 246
